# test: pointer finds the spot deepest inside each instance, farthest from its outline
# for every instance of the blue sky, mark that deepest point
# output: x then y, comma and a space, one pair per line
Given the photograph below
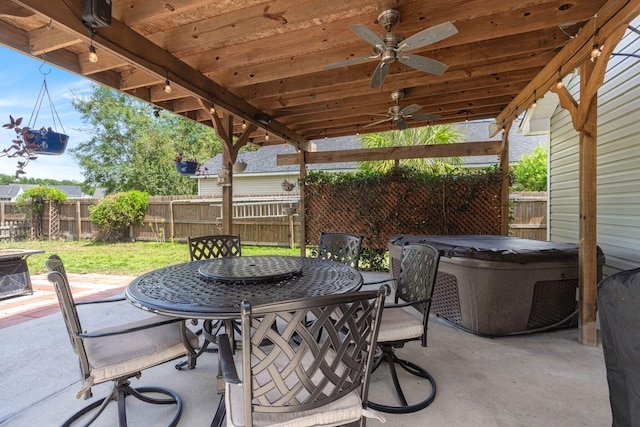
20, 83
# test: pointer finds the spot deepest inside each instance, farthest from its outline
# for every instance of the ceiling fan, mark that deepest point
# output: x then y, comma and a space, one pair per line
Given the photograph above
392, 46
397, 114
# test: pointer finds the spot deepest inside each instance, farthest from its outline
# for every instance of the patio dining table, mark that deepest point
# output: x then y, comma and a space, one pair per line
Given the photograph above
215, 288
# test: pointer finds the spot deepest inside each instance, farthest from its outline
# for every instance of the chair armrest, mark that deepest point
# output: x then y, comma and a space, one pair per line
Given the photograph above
225, 356
128, 330
407, 304
377, 282
101, 301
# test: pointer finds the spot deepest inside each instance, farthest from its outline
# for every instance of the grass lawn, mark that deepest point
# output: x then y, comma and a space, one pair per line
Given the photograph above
119, 258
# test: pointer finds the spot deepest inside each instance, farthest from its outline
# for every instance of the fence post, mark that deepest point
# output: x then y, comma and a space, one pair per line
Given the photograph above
79, 219
2, 207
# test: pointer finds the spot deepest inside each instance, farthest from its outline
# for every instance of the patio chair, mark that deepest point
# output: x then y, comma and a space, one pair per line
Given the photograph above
206, 247
342, 247
309, 381
214, 246
406, 320
119, 353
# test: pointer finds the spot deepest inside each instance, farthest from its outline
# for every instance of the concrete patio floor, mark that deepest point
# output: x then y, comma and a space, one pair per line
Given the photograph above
544, 379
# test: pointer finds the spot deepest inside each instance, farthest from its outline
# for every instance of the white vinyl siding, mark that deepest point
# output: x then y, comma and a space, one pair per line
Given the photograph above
618, 183
251, 185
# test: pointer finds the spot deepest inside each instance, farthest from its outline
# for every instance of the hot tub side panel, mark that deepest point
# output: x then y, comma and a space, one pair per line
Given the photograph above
500, 298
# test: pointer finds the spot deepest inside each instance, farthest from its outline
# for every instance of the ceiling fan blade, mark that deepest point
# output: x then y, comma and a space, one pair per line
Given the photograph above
428, 36
348, 62
377, 123
410, 109
425, 117
378, 75
366, 34
422, 63
401, 124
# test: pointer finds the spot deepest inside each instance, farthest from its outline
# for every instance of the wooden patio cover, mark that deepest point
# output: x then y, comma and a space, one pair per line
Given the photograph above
262, 64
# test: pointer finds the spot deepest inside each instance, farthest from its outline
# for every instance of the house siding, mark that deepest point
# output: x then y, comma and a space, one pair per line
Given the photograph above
618, 183
250, 185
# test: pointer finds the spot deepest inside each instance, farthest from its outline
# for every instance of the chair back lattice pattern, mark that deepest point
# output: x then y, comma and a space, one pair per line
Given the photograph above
417, 278
305, 353
341, 247
214, 246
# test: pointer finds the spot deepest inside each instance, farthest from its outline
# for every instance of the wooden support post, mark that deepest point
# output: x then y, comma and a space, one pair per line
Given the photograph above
301, 209
584, 116
224, 129
504, 166
587, 257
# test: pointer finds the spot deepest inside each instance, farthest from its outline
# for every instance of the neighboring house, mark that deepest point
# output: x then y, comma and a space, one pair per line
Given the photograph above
263, 177
618, 157
10, 192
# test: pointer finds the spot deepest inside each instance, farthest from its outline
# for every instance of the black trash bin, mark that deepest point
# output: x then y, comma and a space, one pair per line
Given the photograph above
619, 311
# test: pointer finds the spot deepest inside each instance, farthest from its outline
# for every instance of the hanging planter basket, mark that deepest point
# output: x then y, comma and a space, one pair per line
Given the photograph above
187, 167
287, 186
239, 167
45, 141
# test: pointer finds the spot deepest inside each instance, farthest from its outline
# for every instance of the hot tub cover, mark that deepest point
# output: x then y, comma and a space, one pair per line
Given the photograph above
495, 248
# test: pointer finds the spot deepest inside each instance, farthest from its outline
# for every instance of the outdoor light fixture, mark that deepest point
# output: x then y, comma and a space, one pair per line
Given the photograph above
595, 52
244, 124
93, 56
534, 104
559, 84
167, 83
266, 137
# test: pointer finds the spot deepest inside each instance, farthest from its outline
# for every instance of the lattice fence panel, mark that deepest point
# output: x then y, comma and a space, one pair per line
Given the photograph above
399, 203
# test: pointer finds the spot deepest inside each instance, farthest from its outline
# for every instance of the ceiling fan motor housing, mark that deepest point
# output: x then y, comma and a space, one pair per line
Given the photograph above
389, 18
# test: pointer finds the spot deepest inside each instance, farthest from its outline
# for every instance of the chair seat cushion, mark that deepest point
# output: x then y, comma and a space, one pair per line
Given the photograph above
398, 324
121, 355
339, 412
344, 410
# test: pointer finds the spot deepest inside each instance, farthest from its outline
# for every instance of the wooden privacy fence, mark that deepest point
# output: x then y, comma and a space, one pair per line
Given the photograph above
169, 218
529, 218
261, 222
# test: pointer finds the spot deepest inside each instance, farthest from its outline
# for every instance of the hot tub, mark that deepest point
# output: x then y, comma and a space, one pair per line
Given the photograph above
501, 285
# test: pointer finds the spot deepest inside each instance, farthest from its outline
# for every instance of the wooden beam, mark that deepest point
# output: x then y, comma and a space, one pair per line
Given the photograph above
609, 19
123, 42
464, 149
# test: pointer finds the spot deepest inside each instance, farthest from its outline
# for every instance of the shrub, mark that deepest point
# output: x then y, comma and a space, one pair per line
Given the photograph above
114, 214
530, 172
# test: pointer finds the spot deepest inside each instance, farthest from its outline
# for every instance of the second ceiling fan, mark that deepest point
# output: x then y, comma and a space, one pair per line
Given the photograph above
392, 46
397, 114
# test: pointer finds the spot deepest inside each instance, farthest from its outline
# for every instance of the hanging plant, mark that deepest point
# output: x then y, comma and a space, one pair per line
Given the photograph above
30, 140
185, 167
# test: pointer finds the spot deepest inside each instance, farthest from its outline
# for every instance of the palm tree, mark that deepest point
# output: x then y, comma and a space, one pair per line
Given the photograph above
437, 134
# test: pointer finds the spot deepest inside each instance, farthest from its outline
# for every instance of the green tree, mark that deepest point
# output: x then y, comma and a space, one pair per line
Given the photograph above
530, 172
439, 134
133, 145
